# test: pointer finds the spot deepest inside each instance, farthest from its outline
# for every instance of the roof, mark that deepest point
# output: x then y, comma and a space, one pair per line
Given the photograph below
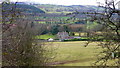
62, 33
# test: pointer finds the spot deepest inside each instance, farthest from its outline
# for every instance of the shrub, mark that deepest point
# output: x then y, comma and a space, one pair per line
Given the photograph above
76, 39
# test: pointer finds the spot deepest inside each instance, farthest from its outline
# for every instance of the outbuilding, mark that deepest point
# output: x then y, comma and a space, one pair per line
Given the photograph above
50, 39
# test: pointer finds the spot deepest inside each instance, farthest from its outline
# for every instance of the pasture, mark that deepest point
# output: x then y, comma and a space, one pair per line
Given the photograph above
45, 36
74, 53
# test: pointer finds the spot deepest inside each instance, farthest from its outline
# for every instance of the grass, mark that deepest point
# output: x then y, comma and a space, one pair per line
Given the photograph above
70, 51
81, 34
46, 36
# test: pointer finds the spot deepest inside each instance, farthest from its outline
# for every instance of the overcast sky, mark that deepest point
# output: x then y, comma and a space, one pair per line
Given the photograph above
63, 2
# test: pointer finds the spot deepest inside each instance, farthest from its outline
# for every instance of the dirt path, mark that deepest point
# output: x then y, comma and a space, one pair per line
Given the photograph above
71, 61
62, 62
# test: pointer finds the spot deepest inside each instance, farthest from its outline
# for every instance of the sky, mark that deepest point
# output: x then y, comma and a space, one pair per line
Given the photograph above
63, 2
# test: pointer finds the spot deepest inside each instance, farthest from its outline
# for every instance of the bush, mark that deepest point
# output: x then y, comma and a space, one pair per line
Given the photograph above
77, 39
19, 47
84, 39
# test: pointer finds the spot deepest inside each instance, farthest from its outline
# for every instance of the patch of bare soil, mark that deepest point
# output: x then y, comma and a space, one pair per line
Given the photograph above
67, 62
62, 62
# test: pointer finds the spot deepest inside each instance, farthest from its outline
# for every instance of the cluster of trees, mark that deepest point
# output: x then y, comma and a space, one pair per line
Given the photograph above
55, 28
19, 46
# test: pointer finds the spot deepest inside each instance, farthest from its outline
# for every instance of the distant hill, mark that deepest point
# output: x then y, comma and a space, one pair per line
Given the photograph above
47, 13
23, 7
65, 9
29, 8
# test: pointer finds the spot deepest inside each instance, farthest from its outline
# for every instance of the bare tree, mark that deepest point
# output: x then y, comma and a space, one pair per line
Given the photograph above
109, 18
19, 45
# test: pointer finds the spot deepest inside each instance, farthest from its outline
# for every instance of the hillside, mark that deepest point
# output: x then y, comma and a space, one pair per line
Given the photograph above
22, 7
65, 9
47, 13
57, 13
29, 8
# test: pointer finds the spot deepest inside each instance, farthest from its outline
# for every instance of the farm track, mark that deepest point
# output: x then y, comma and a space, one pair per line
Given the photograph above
67, 62
62, 62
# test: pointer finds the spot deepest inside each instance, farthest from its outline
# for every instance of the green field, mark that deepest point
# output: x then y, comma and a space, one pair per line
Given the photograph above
75, 54
46, 36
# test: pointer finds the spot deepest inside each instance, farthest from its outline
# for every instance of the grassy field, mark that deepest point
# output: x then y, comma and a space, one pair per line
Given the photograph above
46, 36
75, 54
81, 34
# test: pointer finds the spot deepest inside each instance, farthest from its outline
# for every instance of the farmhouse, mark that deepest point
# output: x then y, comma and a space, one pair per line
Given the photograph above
64, 36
